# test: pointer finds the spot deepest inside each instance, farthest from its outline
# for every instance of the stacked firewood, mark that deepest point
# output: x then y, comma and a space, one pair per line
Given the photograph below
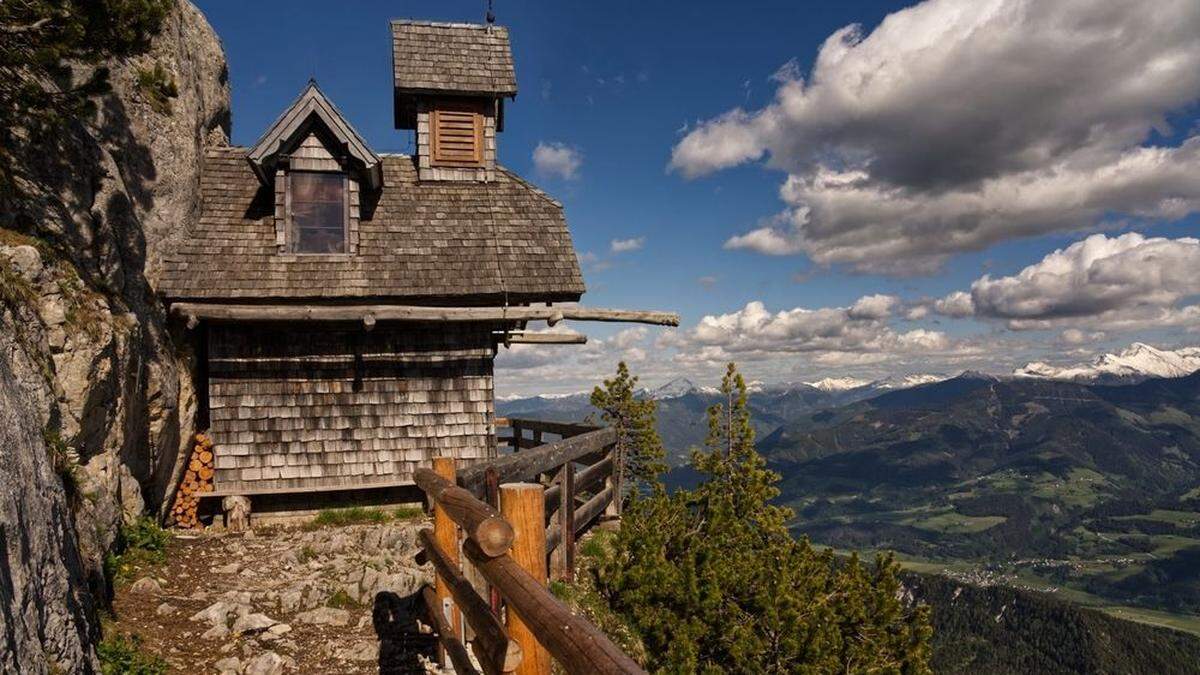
198, 479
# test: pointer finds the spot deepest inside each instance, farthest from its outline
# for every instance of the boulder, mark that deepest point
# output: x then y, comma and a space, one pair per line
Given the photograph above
325, 616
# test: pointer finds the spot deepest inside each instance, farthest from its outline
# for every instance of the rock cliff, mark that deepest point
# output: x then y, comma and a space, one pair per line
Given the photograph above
96, 400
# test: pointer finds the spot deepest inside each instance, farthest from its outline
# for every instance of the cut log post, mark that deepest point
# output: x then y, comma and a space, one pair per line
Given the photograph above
479, 521
578, 645
562, 557
522, 505
446, 533
237, 513
452, 646
496, 652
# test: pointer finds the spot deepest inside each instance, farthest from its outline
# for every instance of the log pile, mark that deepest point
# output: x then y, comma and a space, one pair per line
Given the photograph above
196, 480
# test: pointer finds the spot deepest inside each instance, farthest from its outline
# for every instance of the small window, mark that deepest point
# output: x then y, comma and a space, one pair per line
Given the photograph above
318, 212
457, 134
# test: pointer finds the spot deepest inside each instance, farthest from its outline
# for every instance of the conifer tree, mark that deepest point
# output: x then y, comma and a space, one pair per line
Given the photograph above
639, 448
712, 580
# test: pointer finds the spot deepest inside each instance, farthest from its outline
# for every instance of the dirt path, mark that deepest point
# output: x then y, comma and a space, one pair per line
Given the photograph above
330, 600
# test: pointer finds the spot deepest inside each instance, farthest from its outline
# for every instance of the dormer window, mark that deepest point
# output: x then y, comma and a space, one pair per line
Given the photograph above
317, 212
457, 128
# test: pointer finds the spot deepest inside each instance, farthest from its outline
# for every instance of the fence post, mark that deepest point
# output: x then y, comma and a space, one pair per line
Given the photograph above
613, 510
516, 435
445, 531
562, 559
523, 505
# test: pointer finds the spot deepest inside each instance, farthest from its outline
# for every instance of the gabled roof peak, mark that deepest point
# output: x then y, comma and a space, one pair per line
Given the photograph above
312, 106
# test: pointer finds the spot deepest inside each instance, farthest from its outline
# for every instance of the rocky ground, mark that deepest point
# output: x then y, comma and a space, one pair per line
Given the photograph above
283, 600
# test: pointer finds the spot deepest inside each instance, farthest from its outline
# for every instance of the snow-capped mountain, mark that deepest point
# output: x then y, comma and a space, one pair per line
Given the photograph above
680, 386
838, 383
906, 381
1136, 363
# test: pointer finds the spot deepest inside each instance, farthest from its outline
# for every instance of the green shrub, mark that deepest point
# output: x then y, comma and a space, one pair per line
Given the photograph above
157, 84
60, 460
341, 600
409, 513
358, 515
140, 544
121, 655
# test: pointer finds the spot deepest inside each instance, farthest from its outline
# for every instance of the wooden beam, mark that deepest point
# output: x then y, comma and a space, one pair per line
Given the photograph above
482, 523
578, 645
247, 312
564, 429
523, 465
447, 538
584, 481
584, 515
453, 646
492, 644
544, 338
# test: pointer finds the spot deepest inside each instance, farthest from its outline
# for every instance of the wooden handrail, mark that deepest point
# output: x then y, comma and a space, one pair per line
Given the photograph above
584, 515
578, 645
480, 522
492, 644
584, 481
564, 429
522, 465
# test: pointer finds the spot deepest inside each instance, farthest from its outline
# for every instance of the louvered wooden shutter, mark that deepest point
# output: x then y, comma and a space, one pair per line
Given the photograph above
457, 135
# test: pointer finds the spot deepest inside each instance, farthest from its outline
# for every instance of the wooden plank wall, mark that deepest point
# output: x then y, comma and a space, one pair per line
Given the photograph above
306, 407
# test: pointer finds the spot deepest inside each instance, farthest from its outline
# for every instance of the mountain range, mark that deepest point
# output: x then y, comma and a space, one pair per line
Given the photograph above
1136, 363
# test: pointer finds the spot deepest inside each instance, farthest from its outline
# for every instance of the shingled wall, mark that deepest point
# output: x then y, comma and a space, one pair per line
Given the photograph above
300, 407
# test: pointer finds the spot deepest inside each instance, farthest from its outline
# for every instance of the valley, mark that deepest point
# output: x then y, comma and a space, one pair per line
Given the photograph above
1077, 490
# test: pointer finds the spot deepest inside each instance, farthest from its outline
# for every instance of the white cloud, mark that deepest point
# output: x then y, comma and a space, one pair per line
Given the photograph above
625, 245
1113, 283
876, 306
557, 160
955, 125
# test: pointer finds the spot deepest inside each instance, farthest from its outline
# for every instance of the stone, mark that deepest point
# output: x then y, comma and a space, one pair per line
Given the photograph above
165, 609
267, 663
231, 568
216, 614
290, 600
252, 622
325, 616
146, 586
26, 260
228, 666
361, 651
277, 631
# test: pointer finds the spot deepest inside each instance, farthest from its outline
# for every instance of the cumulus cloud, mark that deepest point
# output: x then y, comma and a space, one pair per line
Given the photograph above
557, 160
876, 306
1106, 282
625, 245
955, 125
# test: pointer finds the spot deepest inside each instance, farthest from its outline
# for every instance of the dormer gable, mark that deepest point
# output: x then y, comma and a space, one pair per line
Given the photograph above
317, 165
313, 116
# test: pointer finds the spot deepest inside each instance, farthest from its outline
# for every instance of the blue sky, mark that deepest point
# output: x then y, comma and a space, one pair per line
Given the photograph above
646, 95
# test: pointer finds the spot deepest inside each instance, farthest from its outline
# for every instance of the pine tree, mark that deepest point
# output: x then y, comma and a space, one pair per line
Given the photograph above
712, 580
639, 450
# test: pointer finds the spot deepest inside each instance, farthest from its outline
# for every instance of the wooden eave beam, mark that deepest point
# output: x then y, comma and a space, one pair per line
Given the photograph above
544, 338
194, 311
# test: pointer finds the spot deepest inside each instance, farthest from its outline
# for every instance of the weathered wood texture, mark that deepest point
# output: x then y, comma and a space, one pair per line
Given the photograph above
562, 558
522, 465
453, 646
296, 407
479, 521
492, 645
521, 504
584, 515
585, 481
578, 645
257, 312
446, 533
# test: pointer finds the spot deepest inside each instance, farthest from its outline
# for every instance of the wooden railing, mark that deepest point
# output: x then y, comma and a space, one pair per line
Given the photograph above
500, 512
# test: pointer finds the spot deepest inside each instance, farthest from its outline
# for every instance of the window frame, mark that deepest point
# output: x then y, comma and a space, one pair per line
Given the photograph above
293, 233
478, 112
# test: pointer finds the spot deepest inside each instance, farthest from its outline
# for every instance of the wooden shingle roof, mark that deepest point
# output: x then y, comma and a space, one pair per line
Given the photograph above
452, 58
458, 241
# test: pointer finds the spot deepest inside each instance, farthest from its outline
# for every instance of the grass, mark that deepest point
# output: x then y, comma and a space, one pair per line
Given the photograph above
341, 600
68, 471
158, 86
956, 523
358, 515
122, 655
140, 544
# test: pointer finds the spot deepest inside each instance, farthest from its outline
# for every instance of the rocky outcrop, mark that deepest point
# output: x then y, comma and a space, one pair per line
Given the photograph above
104, 387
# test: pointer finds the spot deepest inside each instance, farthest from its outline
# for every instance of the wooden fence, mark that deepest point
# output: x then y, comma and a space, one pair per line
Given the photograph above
515, 518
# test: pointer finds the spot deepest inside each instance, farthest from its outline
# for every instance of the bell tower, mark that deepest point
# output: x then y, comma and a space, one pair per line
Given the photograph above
450, 83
